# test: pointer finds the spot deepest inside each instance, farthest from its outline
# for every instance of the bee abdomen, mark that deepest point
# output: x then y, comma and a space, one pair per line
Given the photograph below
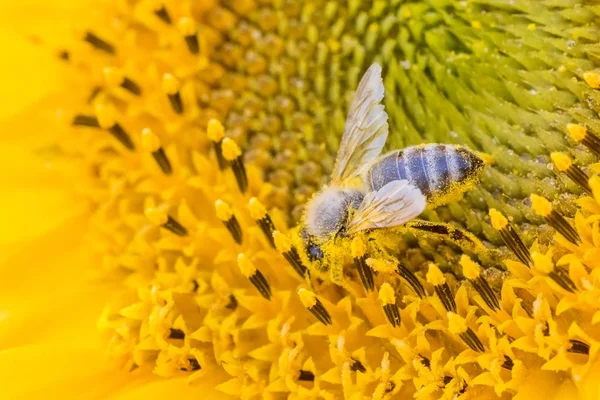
432, 168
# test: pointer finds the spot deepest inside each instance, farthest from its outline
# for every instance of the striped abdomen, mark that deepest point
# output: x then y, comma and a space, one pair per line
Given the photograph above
436, 169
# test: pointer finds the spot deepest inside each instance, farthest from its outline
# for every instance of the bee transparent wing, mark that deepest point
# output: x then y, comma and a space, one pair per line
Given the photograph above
394, 204
366, 128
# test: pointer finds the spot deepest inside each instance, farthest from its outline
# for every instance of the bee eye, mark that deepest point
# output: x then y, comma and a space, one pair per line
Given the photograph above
314, 252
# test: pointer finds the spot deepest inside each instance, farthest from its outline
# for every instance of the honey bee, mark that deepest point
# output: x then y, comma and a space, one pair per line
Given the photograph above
371, 191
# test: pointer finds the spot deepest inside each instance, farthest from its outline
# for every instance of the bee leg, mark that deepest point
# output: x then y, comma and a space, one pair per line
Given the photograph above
460, 237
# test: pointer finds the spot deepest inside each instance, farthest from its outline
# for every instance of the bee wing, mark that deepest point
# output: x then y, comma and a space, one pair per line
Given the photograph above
366, 128
394, 204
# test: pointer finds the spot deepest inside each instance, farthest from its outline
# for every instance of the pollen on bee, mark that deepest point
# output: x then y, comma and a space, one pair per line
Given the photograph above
581, 134
543, 263
543, 208
289, 252
187, 27
437, 279
387, 297
359, 254
107, 120
225, 214
170, 86
510, 236
233, 154
258, 212
564, 164
249, 270
151, 143
314, 305
472, 271
458, 326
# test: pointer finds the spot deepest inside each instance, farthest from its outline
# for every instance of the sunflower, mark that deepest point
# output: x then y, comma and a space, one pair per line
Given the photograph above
167, 150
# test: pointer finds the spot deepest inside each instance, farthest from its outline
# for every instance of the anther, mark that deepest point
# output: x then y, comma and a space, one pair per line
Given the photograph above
359, 254
216, 132
115, 78
258, 212
472, 271
579, 347
94, 93
564, 164
544, 264
306, 376
187, 27
458, 326
64, 55
107, 120
580, 134
510, 236
357, 366
225, 214
387, 297
86, 120
543, 208
289, 252
232, 305
99, 43
437, 279
161, 12
151, 143
508, 363
233, 154
411, 278
176, 334
161, 218
314, 305
254, 276
170, 86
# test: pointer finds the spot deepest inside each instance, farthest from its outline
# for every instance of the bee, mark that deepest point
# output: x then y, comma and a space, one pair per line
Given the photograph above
371, 191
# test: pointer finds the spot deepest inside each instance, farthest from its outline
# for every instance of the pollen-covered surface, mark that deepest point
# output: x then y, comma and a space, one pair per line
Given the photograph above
515, 80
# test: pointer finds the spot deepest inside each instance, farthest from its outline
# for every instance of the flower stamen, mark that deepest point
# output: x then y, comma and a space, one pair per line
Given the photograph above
564, 164
190, 34
254, 275
151, 143
258, 212
458, 326
306, 376
544, 264
289, 252
580, 133
387, 297
107, 120
216, 132
86, 120
170, 86
411, 278
162, 13
225, 214
437, 279
233, 154
543, 208
314, 305
359, 254
99, 43
579, 347
114, 77
472, 271
510, 236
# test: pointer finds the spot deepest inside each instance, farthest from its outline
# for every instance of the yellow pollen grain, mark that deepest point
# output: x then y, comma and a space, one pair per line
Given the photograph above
156, 216
435, 276
282, 242
456, 323
257, 209
471, 270
386, 294
246, 266
488, 159
592, 78
381, 265
106, 115
562, 161
476, 24
540, 205
186, 26
358, 248
224, 212
113, 76
576, 132
231, 150
308, 298
215, 130
150, 142
170, 84
498, 220
542, 262
531, 27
